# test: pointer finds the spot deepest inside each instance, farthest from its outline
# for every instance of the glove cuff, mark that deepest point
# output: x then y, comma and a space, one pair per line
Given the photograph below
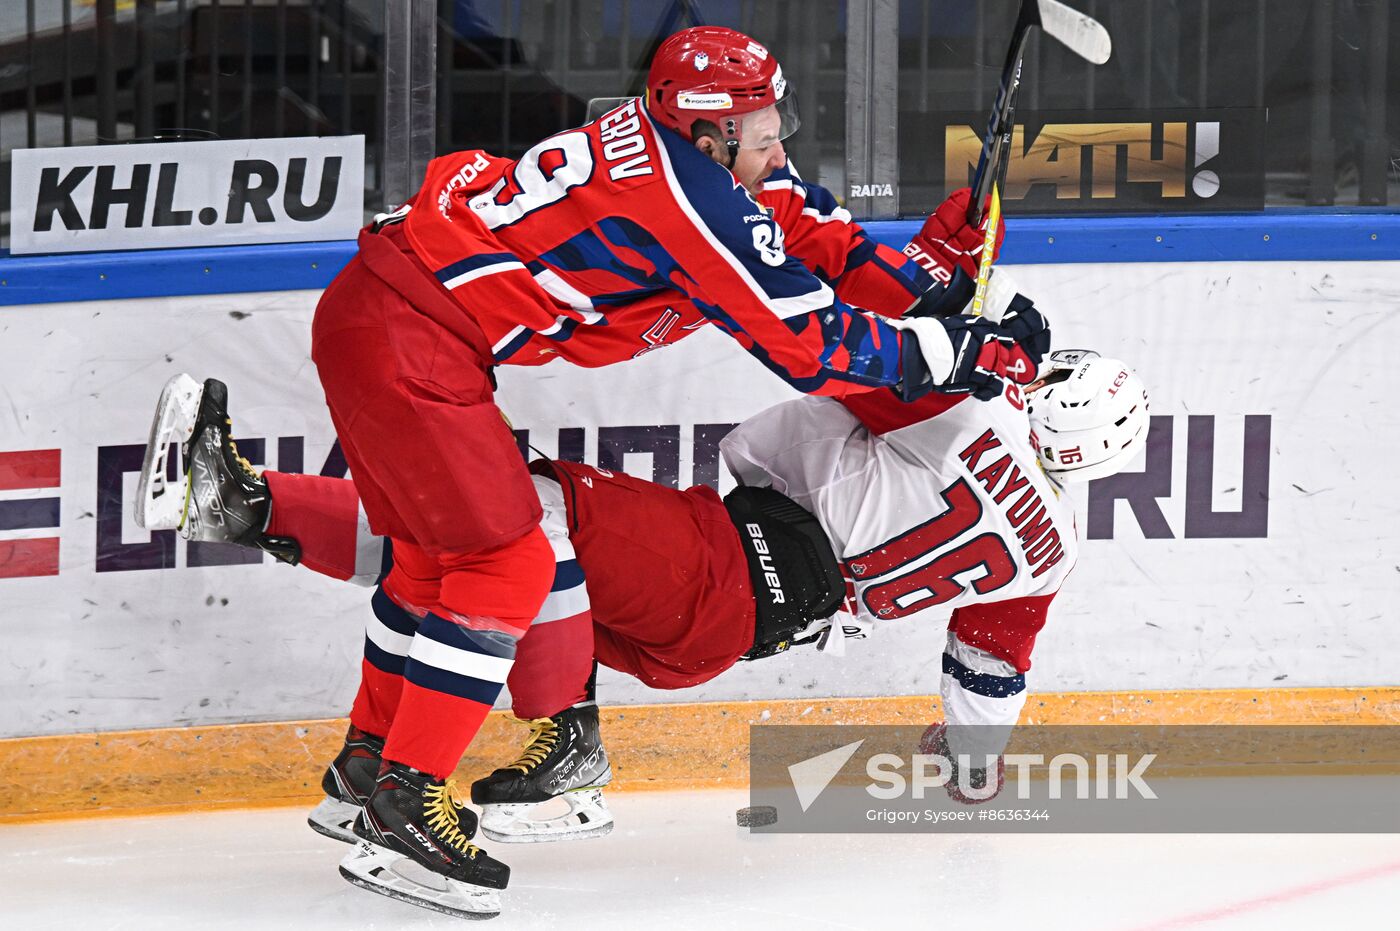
926, 346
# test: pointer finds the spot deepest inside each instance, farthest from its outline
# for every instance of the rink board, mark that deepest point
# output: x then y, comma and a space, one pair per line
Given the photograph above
1264, 559
673, 746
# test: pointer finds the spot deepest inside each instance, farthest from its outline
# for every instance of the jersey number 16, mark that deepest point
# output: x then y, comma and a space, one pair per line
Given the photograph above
934, 582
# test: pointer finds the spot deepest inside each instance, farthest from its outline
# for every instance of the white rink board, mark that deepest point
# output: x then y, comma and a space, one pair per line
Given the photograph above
1311, 603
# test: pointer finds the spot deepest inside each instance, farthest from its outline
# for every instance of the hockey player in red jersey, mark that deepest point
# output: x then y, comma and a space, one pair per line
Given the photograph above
798, 553
596, 245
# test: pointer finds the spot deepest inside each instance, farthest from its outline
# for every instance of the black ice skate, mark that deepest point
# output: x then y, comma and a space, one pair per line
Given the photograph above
221, 497
415, 845
348, 782
563, 759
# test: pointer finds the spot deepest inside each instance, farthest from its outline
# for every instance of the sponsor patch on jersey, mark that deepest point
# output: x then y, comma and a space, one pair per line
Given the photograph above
461, 179
696, 100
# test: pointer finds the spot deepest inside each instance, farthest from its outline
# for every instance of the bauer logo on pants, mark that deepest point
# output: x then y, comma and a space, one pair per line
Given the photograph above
176, 194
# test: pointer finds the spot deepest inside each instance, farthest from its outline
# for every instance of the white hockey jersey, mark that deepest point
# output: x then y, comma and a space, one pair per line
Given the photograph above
932, 506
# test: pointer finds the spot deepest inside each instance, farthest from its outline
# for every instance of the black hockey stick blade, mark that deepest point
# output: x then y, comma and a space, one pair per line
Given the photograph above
1081, 34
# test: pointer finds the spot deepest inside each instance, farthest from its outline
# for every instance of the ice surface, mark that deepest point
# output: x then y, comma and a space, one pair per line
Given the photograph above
677, 861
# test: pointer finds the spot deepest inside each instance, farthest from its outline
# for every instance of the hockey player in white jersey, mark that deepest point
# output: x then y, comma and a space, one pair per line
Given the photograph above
852, 515
943, 505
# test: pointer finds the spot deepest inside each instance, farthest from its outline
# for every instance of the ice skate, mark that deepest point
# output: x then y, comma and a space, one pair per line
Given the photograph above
414, 845
348, 782
160, 504
220, 497
564, 759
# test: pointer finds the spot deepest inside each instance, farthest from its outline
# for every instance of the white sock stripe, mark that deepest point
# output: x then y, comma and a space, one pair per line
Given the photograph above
390, 641
462, 662
562, 604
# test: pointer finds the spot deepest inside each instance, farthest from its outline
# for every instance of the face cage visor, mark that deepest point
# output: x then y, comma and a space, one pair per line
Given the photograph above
769, 126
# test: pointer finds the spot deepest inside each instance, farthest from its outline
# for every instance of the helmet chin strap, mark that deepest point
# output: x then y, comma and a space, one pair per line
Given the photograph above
731, 147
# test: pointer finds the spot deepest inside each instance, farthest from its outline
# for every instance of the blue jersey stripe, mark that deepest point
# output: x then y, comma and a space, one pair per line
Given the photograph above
514, 346
472, 263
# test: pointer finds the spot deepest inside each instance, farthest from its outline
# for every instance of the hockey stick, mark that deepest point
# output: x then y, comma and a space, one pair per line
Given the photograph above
1081, 34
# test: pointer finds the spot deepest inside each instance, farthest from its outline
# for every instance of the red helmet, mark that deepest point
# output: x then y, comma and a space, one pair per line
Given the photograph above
716, 74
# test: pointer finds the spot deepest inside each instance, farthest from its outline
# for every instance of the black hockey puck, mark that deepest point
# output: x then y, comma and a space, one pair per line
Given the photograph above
757, 816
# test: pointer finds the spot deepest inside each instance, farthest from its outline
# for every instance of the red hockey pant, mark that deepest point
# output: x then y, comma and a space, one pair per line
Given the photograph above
438, 471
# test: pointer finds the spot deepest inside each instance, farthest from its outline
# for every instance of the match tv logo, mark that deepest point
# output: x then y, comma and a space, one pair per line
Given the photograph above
1101, 160
23, 513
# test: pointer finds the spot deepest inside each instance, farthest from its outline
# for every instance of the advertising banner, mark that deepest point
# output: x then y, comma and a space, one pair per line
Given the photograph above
175, 194
1247, 548
1111, 161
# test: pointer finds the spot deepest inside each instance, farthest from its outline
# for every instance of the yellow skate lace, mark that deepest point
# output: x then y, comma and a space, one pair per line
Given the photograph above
544, 735
243, 463
444, 801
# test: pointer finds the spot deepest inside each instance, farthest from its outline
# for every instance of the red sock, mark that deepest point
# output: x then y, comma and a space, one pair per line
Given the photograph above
323, 515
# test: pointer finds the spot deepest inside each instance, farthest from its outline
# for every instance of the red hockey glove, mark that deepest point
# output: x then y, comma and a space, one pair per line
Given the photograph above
1023, 341
946, 241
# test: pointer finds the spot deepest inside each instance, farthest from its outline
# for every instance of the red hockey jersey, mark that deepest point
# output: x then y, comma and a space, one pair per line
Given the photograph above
604, 242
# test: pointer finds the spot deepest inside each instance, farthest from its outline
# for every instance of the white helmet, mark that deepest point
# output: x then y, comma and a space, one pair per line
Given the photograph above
1088, 415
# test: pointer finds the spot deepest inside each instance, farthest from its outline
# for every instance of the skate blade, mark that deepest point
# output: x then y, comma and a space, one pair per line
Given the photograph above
335, 819
396, 876
161, 506
588, 817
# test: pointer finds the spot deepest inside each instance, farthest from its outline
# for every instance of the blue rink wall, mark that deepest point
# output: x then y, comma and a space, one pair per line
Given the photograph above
1252, 548
1272, 236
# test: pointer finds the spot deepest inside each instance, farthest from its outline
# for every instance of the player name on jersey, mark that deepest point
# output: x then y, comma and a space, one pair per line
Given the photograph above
1002, 478
624, 146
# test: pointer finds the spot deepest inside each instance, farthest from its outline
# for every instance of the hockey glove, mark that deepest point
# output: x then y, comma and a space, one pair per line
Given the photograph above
971, 355
946, 241
1026, 334
955, 297
954, 355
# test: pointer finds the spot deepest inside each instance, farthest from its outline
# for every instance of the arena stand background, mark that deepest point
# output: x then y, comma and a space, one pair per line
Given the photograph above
1214, 205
